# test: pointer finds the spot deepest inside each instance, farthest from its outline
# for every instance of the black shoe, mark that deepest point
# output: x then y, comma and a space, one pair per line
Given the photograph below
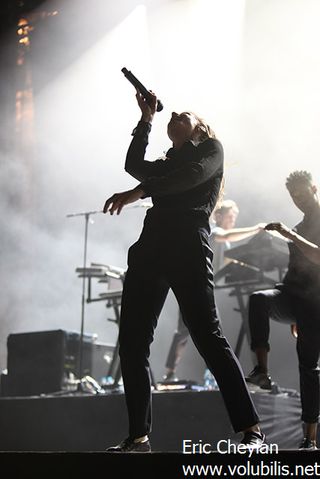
128, 445
253, 440
259, 378
308, 445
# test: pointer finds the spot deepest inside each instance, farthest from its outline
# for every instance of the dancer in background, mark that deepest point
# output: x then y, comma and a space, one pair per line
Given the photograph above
295, 301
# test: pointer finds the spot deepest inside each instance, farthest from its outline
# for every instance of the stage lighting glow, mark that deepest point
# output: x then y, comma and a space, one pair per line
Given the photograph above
201, 50
249, 67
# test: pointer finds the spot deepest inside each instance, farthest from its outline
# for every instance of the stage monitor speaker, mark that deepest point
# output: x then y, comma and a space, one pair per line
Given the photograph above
41, 362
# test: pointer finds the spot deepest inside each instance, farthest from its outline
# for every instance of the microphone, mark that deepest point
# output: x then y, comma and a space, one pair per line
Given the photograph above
141, 88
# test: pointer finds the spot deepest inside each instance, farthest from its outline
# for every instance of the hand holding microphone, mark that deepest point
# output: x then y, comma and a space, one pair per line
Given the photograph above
148, 109
147, 95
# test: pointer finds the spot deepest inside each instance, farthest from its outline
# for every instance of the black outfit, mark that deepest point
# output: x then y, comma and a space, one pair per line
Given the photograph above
173, 252
181, 334
178, 344
296, 300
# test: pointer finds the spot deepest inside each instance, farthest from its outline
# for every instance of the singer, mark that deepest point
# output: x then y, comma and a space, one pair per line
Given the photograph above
173, 252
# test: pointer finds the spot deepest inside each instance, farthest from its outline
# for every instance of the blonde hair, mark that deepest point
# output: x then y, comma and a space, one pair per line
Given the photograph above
220, 196
203, 131
225, 206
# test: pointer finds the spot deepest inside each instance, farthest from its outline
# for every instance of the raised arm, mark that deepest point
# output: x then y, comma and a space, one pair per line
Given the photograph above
135, 163
237, 234
310, 250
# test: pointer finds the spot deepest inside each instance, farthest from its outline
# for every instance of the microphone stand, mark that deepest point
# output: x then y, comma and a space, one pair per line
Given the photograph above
80, 362
80, 388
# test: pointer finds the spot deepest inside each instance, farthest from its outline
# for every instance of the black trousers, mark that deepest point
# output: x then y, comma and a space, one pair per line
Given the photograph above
281, 306
178, 344
180, 259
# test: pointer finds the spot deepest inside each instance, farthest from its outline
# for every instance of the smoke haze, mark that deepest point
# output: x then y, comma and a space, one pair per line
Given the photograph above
251, 68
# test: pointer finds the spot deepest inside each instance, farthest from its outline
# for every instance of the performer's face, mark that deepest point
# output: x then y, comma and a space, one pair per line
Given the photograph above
181, 126
227, 220
304, 196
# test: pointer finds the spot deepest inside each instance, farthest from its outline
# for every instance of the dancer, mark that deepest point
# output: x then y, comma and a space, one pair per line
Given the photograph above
295, 301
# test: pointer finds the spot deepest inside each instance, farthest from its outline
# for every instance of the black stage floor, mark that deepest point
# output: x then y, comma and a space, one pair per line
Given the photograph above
82, 422
287, 463
66, 435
